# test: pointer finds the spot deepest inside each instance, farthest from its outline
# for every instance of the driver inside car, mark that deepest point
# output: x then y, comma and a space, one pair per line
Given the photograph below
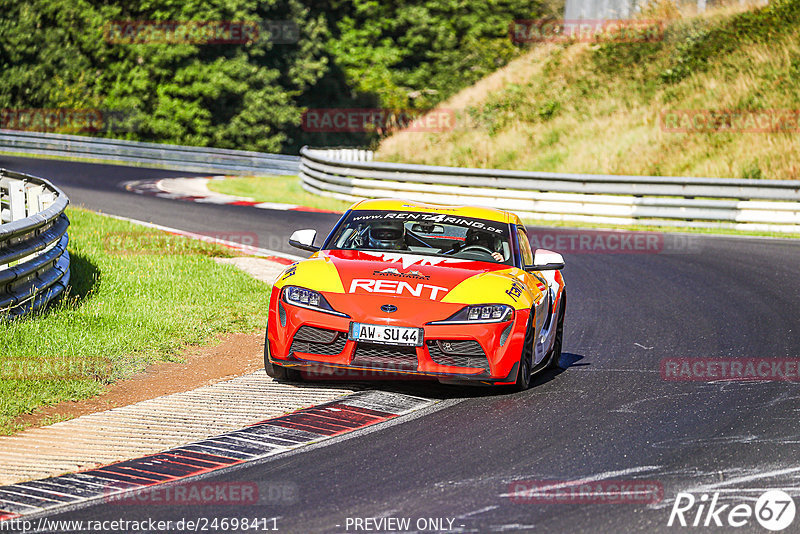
387, 235
481, 238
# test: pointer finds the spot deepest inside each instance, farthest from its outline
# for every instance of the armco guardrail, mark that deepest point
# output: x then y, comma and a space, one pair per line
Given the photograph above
772, 205
34, 262
184, 158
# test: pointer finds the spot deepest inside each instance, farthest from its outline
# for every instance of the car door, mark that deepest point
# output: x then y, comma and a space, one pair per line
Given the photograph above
533, 280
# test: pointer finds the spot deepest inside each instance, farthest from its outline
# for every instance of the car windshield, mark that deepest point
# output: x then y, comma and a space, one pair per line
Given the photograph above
424, 233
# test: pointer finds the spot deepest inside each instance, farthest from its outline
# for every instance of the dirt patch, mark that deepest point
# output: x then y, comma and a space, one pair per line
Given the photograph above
234, 355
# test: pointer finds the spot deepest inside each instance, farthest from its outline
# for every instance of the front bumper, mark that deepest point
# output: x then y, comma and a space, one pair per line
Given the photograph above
318, 343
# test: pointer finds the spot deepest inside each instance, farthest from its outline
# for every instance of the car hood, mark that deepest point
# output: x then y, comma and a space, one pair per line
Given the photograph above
401, 275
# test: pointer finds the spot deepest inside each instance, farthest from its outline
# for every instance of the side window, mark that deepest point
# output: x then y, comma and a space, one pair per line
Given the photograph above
525, 247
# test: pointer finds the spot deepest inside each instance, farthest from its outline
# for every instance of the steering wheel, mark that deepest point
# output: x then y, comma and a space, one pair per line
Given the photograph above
476, 247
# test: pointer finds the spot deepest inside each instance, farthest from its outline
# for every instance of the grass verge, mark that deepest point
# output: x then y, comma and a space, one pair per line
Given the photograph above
684, 104
281, 189
137, 296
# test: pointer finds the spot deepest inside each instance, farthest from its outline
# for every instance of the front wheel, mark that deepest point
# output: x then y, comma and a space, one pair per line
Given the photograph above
555, 352
277, 372
525, 358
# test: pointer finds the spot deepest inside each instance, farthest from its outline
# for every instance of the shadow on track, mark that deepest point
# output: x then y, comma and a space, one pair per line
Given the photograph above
432, 389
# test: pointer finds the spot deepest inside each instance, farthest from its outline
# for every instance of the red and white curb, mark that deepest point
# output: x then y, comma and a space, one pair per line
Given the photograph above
261, 440
196, 190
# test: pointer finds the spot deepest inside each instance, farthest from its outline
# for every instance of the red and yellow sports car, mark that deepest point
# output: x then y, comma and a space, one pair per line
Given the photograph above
453, 293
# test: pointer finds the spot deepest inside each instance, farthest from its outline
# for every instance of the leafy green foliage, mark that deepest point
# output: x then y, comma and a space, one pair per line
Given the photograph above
752, 171
349, 53
414, 54
702, 40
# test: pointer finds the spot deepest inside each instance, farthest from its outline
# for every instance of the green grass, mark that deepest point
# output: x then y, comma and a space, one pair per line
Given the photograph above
138, 296
282, 189
599, 107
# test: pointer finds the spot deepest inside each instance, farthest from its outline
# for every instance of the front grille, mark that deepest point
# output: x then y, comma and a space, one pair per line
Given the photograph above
312, 340
385, 357
458, 353
505, 334
282, 313
316, 335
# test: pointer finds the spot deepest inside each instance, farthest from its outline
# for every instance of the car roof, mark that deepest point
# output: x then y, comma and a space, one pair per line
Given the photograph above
477, 212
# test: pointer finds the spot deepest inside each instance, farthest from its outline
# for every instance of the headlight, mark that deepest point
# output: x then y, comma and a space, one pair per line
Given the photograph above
485, 313
307, 298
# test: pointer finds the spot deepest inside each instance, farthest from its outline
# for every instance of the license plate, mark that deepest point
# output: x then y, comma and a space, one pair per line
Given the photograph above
381, 333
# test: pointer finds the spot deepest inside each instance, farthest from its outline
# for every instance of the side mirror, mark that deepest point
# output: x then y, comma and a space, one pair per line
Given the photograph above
304, 240
546, 260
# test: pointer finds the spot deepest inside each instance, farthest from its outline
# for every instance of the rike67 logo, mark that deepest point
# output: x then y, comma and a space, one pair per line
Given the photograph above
774, 510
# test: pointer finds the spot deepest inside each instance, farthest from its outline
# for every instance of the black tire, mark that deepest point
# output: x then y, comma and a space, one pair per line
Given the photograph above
555, 352
525, 367
277, 372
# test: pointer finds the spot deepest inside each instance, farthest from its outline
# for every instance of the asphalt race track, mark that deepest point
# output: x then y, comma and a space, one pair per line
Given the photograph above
607, 416
97, 187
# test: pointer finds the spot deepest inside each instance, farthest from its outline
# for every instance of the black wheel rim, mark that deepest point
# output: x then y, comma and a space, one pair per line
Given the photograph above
525, 364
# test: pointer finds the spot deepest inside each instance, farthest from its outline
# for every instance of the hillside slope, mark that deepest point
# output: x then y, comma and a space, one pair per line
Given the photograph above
634, 107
